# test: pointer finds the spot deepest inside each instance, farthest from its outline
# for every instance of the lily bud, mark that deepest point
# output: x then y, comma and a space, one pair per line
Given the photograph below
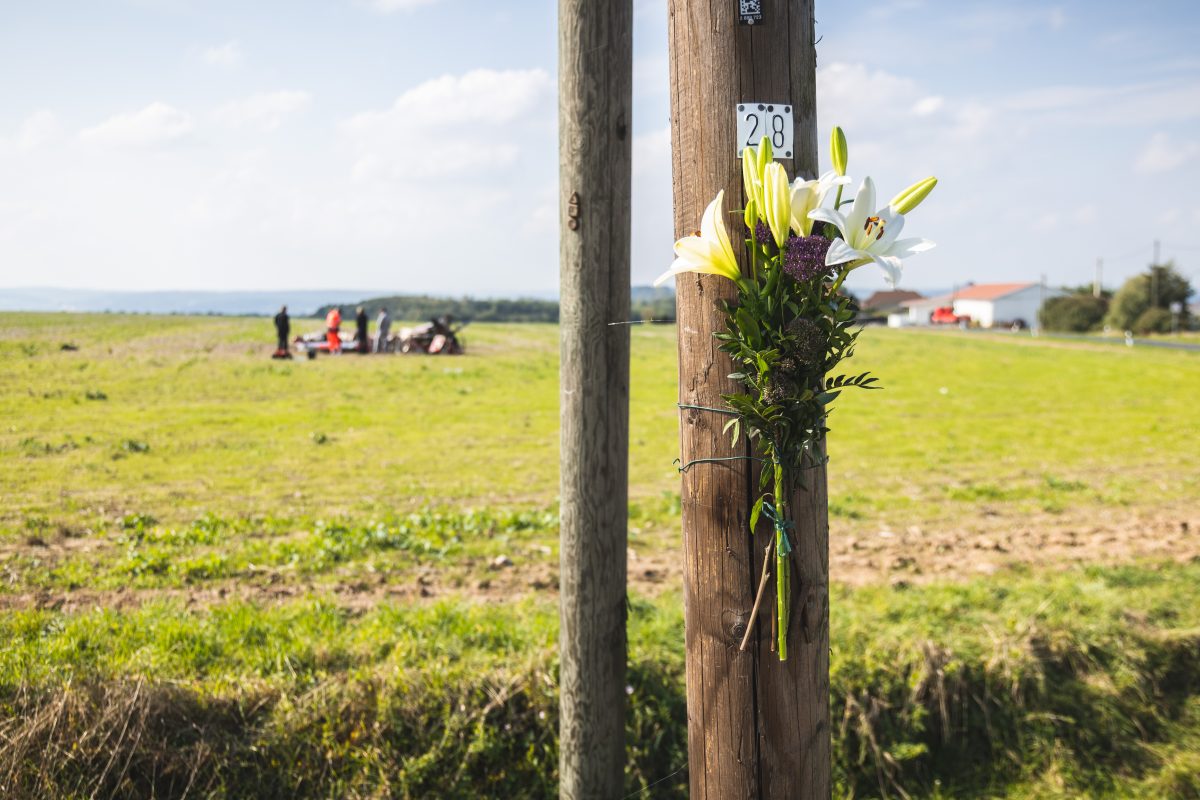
911, 197
777, 201
751, 174
766, 154
839, 152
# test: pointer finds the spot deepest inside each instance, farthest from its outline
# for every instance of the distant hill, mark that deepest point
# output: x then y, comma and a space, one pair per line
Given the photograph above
299, 302
423, 307
652, 302
647, 303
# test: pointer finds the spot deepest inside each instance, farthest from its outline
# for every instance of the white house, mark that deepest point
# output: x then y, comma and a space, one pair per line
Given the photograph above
987, 304
919, 310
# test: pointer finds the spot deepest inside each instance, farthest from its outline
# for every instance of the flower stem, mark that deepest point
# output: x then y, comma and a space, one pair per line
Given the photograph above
838, 283
783, 566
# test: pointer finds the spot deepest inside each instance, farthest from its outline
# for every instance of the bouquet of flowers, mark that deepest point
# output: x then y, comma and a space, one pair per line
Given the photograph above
791, 326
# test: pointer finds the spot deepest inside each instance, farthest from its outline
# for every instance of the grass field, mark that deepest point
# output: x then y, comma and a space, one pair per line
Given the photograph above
339, 575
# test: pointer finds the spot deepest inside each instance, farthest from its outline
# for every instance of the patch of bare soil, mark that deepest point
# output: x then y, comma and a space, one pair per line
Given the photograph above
990, 542
859, 555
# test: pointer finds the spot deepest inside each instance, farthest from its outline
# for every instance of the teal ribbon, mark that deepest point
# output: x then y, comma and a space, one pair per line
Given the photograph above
784, 542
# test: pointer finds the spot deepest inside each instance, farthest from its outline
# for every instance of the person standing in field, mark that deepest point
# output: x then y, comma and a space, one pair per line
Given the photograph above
362, 342
333, 329
383, 324
283, 327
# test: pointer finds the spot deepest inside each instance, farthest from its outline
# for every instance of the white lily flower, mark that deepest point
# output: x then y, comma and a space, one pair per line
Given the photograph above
710, 251
808, 195
869, 235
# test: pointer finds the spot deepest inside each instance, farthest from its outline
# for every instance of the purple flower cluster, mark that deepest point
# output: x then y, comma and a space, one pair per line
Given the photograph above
762, 234
809, 348
804, 257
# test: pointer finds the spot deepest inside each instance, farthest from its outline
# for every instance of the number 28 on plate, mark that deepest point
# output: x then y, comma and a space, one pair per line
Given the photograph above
773, 120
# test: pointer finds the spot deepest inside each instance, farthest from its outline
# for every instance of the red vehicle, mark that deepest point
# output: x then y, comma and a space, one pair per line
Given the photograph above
944, 315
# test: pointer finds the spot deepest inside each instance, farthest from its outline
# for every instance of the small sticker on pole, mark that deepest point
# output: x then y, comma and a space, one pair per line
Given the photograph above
750, 12
773, 120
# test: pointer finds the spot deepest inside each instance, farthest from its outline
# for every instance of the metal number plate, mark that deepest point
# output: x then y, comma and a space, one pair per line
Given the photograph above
756, 120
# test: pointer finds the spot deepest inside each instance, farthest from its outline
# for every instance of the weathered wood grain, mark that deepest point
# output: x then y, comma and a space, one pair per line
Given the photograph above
757, 728
595, 90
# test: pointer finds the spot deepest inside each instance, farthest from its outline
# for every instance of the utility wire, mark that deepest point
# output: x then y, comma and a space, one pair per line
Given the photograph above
1129, 254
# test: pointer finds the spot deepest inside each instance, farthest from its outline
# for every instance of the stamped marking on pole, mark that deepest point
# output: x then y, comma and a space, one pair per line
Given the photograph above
573, 211
773, 120
750, 12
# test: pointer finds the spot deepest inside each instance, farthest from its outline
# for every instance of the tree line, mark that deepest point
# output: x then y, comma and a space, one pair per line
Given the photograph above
646, 303
1142, 305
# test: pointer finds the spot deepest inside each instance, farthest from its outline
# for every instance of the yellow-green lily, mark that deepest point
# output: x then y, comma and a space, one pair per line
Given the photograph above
754, 164
839, 152
809, 195
777, 202
911, 197
709, 252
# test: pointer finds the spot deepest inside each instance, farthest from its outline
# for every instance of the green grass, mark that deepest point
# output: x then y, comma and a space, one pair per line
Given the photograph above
167, 463
170, 452
1074, 684
195, 419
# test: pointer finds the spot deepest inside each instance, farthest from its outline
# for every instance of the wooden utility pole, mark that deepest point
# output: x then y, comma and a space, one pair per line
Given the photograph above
757, 727
595, 69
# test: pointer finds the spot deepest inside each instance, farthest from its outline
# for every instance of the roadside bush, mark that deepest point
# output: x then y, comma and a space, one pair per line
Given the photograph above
1153, 320
1073, 313
1156, 289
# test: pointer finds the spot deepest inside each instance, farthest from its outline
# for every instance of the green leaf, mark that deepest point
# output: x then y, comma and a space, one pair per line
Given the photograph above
825, 398
755, 512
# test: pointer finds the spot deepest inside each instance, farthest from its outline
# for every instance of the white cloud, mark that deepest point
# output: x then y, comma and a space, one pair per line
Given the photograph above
646, 8
651, 75
476, 96
227, 55
1127, 104
651, 151
1085, 215
1045, 222
1161, 154
38, 128
156, 124
264, 111
653, 223
452, 124
391, 6
928, 105
437, 158
841, 88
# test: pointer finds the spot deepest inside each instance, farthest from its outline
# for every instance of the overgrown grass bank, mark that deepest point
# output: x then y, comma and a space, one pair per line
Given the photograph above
1084, 683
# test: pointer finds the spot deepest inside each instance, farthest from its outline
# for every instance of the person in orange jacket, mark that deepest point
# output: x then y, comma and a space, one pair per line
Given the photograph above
333, 324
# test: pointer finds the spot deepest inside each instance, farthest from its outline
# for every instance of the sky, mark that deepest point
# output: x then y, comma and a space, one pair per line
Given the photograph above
411, 145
